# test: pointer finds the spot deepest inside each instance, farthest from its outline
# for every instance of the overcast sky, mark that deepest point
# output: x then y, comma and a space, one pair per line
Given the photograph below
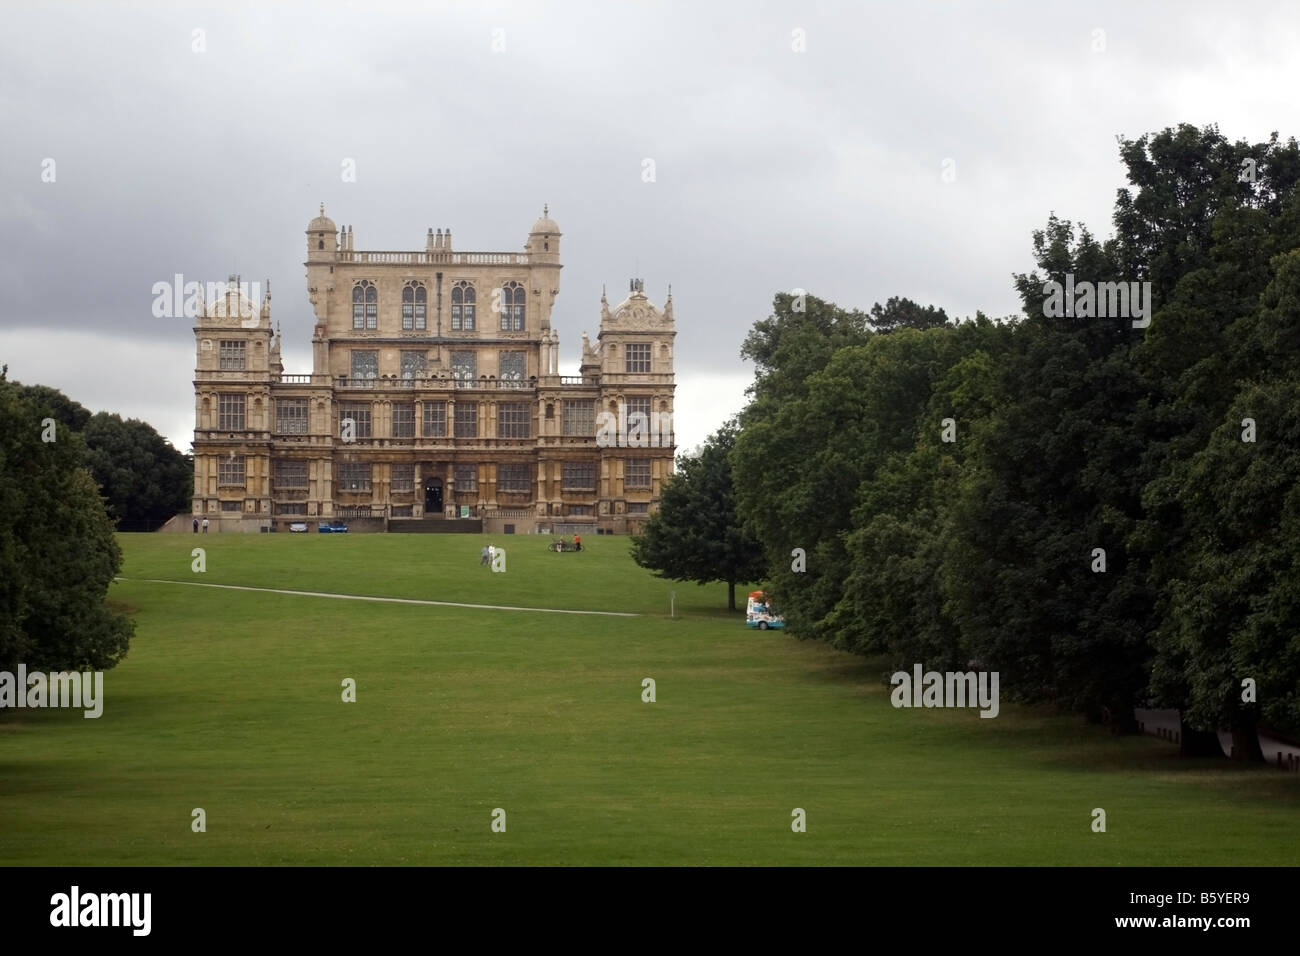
774, 167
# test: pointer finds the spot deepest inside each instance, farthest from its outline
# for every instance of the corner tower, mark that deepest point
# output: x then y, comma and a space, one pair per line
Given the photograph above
635, 352
236, 358
543, 248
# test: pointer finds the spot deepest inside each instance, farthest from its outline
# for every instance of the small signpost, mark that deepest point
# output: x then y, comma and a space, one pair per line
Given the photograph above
672, 603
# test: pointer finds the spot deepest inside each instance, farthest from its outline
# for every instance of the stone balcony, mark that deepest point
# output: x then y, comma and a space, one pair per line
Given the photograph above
439, 258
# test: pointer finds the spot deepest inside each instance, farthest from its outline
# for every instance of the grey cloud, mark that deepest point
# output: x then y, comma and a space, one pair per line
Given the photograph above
775, 169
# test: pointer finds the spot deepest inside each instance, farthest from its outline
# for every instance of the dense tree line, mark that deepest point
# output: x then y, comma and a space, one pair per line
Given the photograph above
1104, 512
58, 555
142, 477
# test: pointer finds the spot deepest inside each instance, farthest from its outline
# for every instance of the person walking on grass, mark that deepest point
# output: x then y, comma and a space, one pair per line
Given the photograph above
196, 525
486, 559
205, 525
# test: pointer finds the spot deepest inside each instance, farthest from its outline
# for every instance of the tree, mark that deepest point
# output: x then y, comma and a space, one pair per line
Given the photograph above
144, 478
1040, 584
1212, 217
799, 463
899, 313
1184, 178
796, 340
695, 535
61, 408
57, 551
1098, 530
894, 599
1234, 603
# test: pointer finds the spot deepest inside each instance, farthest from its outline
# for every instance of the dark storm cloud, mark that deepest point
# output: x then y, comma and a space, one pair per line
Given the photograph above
774, 169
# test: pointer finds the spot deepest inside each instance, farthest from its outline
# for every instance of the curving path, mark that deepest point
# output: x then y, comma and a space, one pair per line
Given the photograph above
1154, 721
383, 600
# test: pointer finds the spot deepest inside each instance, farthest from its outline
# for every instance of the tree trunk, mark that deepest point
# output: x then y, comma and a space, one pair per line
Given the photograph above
1116, 716
1245, 743
1245, 736
1197, 743
1123, 720
731, 595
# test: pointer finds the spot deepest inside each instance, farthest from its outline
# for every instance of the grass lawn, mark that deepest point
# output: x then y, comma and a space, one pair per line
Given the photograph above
231, 701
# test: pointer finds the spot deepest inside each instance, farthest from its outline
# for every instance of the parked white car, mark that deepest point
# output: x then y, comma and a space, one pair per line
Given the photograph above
298, 527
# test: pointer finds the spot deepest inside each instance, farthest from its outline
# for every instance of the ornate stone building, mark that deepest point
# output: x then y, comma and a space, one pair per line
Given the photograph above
435, 400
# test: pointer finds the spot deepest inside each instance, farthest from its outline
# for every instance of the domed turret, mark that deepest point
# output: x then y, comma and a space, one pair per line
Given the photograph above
322, 222
544, 240
322, 237
546, 226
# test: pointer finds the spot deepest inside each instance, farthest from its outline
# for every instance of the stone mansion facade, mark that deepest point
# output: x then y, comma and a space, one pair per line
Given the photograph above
435, 400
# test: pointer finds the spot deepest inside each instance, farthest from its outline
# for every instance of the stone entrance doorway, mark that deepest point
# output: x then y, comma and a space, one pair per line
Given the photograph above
433, 497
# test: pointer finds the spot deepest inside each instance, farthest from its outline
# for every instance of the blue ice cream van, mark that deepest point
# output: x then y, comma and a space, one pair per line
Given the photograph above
759, 613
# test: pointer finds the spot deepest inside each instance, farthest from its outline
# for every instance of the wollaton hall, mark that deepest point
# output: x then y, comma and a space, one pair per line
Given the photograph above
435, 399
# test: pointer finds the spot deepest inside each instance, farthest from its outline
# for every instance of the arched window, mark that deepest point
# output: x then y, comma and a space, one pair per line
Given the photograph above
462, 306
512, 307
414, 301
320, 243
365, 305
